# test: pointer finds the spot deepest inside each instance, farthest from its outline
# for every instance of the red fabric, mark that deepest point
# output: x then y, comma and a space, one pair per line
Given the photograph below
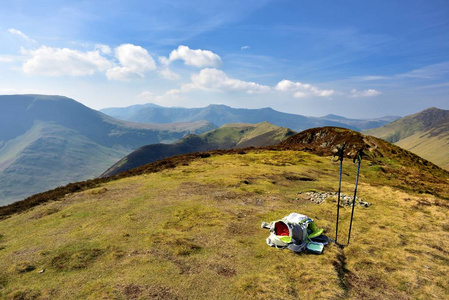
281, 229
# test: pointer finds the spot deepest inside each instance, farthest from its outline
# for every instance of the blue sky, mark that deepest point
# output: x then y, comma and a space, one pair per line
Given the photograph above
357, 59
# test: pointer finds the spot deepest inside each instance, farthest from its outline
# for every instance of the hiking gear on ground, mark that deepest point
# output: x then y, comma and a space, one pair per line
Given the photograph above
321, 239
340, 153
292, 232
357, 157
315, 248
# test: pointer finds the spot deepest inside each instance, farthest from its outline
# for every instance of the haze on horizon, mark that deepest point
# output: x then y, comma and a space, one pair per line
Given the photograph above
356, 59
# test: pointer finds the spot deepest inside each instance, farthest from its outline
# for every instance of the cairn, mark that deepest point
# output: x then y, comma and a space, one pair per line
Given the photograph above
345, 200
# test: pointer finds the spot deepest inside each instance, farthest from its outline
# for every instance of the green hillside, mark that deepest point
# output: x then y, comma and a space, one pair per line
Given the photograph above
425, 134
226, 137
50, 155
188, 227
47, 141
434, 147
247, 135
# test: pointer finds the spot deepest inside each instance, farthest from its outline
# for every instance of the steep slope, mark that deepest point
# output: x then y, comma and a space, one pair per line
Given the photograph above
221, 114
226, 137
425, 133
46, 141
188, 227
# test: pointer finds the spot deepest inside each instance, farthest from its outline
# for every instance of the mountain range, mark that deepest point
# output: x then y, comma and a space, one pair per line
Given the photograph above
222, 114
425, 133
47, 141
188, 227
226, 137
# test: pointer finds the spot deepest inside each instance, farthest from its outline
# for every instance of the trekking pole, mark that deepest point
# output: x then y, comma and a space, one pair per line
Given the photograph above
357, 157
340, 153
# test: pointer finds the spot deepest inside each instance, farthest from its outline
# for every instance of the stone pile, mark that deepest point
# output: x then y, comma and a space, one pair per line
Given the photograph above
345, 200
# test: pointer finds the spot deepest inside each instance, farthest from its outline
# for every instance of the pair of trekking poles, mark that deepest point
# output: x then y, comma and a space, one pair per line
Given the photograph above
357, 157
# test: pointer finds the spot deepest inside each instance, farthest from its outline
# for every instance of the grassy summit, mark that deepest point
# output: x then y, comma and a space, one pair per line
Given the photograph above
192, 231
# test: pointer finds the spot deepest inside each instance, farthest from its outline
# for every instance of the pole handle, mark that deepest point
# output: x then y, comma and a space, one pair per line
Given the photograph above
340, 153
358, 156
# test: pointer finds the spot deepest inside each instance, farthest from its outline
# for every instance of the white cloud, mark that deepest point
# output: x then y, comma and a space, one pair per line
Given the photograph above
134, 62
173, 92
216, 80
170, 97
164, 60
21, 34
168, 74
105, 49
5, 59
243, 48
57, 62
371, 78
197, 58
365, 93
301, 90
428, 72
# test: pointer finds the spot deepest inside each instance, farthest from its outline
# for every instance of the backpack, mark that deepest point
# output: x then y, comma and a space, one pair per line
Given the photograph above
292, 232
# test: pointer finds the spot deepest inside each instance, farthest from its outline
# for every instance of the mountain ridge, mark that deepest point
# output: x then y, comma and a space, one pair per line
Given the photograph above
47, 141
425, 133
226, 137
220, 114
310, 141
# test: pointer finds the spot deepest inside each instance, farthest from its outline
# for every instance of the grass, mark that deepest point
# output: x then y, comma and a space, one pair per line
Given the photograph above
234, 135
424, 134
194, 232
433, 148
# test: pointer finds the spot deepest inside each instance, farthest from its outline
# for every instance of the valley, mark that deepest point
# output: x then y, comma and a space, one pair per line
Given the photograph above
48, 141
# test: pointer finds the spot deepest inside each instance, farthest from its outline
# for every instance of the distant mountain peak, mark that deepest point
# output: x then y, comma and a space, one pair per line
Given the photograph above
220, 114
430, 117
334, 117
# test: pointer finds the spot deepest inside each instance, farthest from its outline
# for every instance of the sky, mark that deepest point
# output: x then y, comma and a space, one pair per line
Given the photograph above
358, 59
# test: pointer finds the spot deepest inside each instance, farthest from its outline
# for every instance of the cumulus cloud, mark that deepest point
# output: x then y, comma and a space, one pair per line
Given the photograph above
197, 58
134, 62
301, 90
20, 33
105, 49
63, 61
168, 74
365, 93
210, 79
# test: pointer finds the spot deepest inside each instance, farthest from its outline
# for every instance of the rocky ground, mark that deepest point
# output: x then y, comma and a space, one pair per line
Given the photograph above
321, 197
